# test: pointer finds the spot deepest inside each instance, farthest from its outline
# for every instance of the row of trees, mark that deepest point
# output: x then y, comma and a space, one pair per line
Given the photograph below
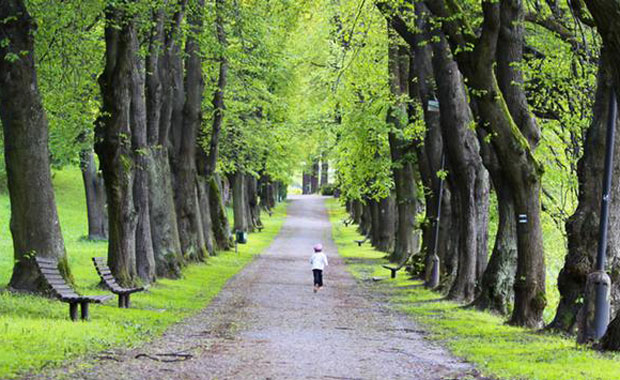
176, 99
490, 114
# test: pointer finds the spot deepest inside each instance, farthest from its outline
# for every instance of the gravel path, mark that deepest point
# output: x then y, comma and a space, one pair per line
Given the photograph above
268, 324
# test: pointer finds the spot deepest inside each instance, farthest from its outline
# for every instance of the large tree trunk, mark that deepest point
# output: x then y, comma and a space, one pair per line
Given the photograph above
467, 174
605, 13
240, 203
34, 220
324, 170
513, 143
496, 285
402, 167
113, 141
583, 226
365, 226
219, 219
95, 197
145, 256
184, 134
252, 198
482, 193
306, 186
218, 223
314, 177
164, 230
386, 224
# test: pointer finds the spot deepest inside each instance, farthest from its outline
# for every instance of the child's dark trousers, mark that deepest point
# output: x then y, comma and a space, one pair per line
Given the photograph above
318, 277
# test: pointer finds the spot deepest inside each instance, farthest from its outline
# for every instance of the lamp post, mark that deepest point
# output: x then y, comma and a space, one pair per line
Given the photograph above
595, 313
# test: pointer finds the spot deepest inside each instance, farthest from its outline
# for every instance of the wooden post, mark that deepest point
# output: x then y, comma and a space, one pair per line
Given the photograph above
127, 301
121, 300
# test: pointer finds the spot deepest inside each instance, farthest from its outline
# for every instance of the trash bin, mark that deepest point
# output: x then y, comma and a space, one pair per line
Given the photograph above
241, 237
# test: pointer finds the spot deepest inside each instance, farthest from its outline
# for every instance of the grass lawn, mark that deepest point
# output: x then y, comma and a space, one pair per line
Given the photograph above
481, 338
36, 332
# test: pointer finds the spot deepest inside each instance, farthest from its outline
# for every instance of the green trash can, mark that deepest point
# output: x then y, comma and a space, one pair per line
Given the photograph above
241, 237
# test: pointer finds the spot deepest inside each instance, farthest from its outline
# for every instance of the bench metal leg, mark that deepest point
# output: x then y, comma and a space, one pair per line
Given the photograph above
73, 311
123, 301
85, 314
393, 274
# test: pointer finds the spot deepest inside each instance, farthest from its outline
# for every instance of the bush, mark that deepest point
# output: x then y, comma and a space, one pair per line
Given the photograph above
328, 189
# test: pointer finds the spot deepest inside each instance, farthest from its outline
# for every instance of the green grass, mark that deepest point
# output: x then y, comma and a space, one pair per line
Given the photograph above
36, 332
482, 338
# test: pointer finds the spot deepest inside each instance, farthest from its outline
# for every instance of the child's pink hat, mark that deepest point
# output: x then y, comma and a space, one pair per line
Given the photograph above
318, 247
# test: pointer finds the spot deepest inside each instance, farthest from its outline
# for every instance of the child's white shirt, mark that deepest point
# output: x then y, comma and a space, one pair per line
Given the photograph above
318, 260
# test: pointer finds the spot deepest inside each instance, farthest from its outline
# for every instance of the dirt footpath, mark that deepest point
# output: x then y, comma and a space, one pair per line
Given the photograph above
268, 324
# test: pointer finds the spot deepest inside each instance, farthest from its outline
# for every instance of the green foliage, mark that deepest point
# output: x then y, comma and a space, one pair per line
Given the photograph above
328, 189
69, 57
37, 332
497, 349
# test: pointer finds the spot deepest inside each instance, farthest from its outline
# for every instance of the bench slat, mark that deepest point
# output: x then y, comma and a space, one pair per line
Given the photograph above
48, 266
57, 282
46, 272
45, 260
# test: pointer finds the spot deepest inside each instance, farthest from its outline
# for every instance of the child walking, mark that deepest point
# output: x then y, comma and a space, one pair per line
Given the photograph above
319, 262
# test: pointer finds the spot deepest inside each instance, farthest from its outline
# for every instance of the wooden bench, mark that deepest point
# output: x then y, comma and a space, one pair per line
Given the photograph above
360, 242
110, 282
260, 228
64, 292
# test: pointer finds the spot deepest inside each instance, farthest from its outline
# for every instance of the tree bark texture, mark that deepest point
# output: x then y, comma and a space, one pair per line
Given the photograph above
324, 170
402, 157
467, 172
582, 226
314, 177
164, 230
184, 131
219, 219
252, 199
511, 144
113, 141
240, 203
145, 256
34, 220
95, 197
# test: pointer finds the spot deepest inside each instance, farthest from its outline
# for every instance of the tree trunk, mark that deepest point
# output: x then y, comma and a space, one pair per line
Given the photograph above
583, 226
184, 133
34, 220
467, 174
95, 197
240, 203
482, 192
252, 198
324, 170
365, 226
314, 177
496, 286
145, 256
402, 168
306, 186
219, 220
513, 143
113, 142
163, 219
386, 224
164, 229
356, 211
